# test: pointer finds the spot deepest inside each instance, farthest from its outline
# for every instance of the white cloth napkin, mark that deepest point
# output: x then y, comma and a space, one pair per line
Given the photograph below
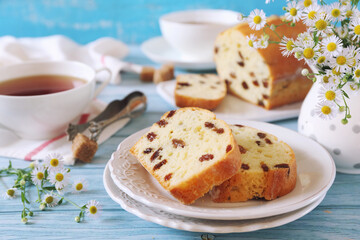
15, 147
104, 52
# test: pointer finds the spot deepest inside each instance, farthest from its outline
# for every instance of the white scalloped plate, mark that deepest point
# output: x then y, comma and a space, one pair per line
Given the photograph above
233, 107
315, 166
194, 224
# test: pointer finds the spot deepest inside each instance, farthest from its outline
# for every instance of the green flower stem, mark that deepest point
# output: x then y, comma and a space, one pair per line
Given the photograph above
61, 197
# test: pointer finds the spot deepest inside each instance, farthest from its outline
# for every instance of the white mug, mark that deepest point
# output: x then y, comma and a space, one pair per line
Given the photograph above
47, 116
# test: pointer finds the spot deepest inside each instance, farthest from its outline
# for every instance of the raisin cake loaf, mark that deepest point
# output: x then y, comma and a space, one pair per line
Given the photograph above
260, 76
199, 90
268, 168
189, 151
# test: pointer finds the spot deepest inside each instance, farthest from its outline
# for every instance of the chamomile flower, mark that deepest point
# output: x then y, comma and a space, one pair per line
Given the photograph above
241, 17
263, 42
309, 14
293, 12
355, 29
342, 61
93, 208
252, 41
307, 3
50, 200
59, 177
329, 93
342, 32
10, 193
79, 185
326, 110
321, 25
54, 161
309, 52
336, 12
37, 175
287, 46
322, 60
331, 46
257, 19
356, 73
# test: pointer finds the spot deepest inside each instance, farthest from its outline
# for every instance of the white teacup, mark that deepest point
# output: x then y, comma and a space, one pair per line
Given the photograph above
193, 32
47, 115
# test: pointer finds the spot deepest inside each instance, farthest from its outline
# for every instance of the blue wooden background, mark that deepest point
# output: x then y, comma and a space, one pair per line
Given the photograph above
131, 21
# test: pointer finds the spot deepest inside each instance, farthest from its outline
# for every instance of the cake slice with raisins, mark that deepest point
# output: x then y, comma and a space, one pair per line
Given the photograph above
260, 76
199, 90
268, 168
189, 151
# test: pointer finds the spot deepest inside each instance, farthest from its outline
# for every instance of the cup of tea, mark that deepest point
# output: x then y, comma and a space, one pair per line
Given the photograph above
39, 99
193, 32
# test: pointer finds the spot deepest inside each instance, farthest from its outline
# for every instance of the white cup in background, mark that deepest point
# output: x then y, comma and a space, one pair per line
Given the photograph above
46, 116
193, 32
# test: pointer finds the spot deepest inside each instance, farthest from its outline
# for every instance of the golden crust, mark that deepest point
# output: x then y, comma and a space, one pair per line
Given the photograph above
185, 101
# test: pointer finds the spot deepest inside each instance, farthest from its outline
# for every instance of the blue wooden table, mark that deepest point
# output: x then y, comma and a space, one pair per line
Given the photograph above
337, 217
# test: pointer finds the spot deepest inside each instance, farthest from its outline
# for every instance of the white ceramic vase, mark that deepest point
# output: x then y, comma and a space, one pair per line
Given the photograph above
342, 141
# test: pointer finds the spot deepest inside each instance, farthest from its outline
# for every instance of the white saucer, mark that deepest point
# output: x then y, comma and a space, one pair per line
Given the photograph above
158, 50
316, 173
198, 225
233, 107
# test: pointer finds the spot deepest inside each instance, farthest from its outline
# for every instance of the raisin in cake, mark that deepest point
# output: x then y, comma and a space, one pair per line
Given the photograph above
199, 90
260, 76
268, 168
189, 151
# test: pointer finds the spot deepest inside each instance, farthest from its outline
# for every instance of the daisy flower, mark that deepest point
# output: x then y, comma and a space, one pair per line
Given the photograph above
331, 46
341, 62
263, 42
326, 110
93, 208
54, 160
309, 14
307, 3
321, 25
329, 93
252, 41
257, 19
355, 28
59, 177
79, 185
37, 175
322, 60
287, 46
309, 52
356, 73
10, 193
293, 12
336, 12
342, 31
50, 200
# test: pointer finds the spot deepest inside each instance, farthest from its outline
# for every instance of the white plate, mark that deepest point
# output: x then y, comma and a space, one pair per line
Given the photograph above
158, 50
316, 173
236, 108
198, 225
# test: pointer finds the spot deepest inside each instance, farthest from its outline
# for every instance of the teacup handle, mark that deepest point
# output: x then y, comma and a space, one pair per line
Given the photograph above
105, 83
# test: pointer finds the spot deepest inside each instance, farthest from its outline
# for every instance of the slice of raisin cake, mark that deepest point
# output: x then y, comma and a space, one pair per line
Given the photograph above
199, 90
189, 151
268, 168
260, 76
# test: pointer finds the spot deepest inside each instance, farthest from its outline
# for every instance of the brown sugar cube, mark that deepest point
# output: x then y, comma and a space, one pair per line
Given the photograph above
147, 74
83, 148
165, 73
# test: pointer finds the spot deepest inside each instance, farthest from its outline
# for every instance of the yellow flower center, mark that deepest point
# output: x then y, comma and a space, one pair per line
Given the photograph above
79, 186
293, 12
331, 47
309, 53
321, 59
54, 162
326, 79
10, 192
335, 12
49, 199
251, 44
311, 15
330, 95
257, 19
337, 73
307, 3
349, 13
326, 110
290, 45
341, 60
357, 30
357, 73
321, 24
93, 210
40, 175
59, 177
